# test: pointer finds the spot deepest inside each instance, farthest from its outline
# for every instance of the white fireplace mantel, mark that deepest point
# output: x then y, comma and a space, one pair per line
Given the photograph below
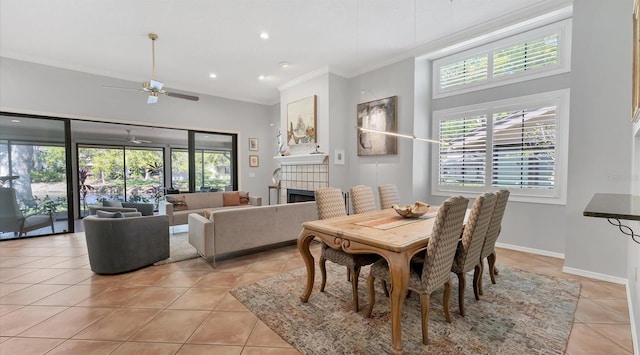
303, 159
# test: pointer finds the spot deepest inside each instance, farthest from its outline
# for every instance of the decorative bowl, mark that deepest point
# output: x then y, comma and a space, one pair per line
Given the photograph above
412, 211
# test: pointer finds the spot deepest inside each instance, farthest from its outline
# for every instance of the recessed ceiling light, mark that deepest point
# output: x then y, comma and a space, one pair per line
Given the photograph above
262, 77
213, 75
15, 121
264, 35
284, 64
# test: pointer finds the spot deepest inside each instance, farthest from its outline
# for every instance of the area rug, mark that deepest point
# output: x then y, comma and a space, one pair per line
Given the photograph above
524, 313
179, 249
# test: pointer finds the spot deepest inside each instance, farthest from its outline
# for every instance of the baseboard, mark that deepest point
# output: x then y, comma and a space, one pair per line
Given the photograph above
595, 275
633, 321
530, 250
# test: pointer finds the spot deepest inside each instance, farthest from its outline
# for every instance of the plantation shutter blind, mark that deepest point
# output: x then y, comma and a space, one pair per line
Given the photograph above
524, 148
529, 55
462, 157
464, 72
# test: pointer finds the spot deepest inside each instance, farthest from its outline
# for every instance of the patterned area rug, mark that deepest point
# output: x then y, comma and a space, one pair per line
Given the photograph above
524, 313
179, 249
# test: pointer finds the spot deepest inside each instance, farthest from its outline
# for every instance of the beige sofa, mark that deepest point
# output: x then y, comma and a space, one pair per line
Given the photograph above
199, 202
233, 230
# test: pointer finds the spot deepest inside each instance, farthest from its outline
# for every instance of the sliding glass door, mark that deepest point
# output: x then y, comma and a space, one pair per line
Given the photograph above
131, 174
33, 173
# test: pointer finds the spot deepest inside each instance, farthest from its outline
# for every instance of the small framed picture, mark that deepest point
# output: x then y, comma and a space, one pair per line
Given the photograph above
254, 161
253, 144
338, 158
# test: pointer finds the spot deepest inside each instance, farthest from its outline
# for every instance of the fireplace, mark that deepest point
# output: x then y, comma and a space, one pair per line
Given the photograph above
294, 195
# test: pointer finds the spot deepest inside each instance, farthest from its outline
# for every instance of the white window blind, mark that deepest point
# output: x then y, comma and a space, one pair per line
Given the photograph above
530, 55
464, 72
541, 52
462, 159
519, 144
524, 148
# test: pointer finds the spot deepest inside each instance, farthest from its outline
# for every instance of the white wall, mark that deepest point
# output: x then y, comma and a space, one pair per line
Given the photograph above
38, 89
599, 139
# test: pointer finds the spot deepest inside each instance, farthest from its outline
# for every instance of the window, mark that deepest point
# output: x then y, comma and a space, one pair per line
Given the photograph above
541, 52
519, 144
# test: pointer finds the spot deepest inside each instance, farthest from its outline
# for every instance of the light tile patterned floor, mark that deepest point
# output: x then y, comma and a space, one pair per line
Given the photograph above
51, 302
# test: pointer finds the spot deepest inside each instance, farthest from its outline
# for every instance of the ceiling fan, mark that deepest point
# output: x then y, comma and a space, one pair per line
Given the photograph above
153, 86
132, 139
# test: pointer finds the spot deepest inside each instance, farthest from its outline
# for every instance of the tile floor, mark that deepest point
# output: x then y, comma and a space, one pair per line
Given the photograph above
51, 302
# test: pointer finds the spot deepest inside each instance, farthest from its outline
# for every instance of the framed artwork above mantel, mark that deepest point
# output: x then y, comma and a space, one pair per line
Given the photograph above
635, 90
301, 121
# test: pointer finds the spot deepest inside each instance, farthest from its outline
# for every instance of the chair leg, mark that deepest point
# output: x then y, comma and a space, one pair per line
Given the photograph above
425, 299
476, 276
481, 265
348, 274
354, 287
492, 266
445, 301
323, 271
372, 295
462, 283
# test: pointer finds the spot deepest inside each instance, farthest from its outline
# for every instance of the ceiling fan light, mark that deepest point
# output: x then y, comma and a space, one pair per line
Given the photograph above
153, 98
155, 85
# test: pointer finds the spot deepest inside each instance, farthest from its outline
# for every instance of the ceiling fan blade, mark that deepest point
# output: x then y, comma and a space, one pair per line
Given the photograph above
121, 88
182, 96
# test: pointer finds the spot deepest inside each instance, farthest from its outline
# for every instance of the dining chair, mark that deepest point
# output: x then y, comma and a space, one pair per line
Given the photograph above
388, 194
435, 271
13, 220
470, 246
331, 204
488, 249
362, 199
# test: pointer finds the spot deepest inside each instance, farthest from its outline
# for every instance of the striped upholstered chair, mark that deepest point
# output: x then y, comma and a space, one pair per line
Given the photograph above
362, 199
488, 249
426, 277
388, 194
470, 246
330, 204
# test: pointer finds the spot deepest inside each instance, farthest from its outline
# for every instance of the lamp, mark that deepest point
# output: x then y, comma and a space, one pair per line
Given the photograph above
400, 135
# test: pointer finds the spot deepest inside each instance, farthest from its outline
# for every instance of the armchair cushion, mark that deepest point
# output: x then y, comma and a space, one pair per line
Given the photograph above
112, 203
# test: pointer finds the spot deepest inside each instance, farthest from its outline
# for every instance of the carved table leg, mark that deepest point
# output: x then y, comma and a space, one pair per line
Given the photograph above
399, 266
304, 240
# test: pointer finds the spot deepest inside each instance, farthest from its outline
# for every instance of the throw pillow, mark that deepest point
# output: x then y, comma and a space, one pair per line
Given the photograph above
178, 202
244, 198
105, 214
207, 214
112, 203
231, 198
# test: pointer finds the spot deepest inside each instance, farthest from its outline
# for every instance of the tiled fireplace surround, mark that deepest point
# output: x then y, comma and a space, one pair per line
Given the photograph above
303, 176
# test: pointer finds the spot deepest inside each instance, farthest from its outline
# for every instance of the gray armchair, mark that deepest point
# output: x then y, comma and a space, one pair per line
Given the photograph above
145, 208
117, 245
12, 219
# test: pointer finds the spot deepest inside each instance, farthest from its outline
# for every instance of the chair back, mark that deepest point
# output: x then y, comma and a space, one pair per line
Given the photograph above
443, 242
495, 224
388, 194
474, 234
330, 203
362, 199
10, 215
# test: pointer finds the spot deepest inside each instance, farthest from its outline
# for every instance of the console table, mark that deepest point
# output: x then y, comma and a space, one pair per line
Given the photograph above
615, 207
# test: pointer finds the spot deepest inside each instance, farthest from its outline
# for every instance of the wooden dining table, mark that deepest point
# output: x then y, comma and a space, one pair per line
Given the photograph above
381, 232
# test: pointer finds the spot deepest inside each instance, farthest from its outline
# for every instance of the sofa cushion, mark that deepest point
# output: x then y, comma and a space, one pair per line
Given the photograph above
244, 198
112, 203
178, 202
105, 214
231, 198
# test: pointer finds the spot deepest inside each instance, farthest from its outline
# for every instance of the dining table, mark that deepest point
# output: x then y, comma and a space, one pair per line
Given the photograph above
381, 232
